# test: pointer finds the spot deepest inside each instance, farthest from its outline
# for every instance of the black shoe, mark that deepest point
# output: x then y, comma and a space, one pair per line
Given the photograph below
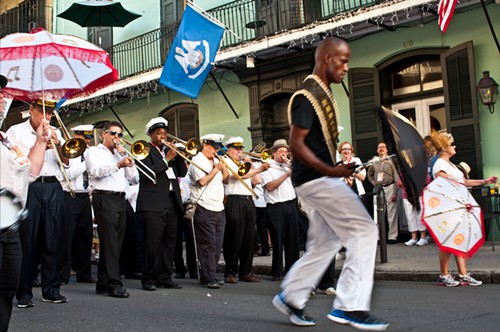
149, 287
180, 275
119, 293
193, 275
168, 284
101, 289
213, 284
392, 241
56, 298
86, 280
25, 304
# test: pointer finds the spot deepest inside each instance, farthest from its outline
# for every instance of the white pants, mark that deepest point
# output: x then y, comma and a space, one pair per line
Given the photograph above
414, 217
337, 218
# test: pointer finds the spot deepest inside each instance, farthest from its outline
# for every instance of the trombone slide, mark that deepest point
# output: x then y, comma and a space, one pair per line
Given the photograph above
235, 174
151, 176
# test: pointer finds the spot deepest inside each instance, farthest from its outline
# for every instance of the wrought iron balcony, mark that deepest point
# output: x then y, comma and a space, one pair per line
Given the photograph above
249, 19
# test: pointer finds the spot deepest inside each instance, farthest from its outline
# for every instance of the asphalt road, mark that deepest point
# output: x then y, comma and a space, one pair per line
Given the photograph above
408, 306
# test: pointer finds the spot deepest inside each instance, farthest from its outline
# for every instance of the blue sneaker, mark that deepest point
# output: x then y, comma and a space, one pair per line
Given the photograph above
361, 320
297, 316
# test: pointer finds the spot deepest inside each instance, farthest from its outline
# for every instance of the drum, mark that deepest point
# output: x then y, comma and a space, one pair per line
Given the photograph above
12, 212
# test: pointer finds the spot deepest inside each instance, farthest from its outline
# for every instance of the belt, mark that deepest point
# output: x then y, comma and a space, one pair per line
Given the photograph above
109, 192
45, 179
386, 185
285, 202
77, 194
247, 197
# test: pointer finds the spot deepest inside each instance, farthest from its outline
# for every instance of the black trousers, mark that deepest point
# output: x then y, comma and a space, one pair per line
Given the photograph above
239, 235
209, 233
41, 235
262, 230
10, 273
184, 234
284, 231
111, 216
160, 233
132, 249
76, 241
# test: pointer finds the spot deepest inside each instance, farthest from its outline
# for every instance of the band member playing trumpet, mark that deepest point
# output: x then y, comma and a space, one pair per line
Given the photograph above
160, 205
41, 233
77, 228
14, 179
239, 235
282, 211
207, 193
109, 171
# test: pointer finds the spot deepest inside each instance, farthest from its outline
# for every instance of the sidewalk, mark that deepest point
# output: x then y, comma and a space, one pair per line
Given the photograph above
417, 264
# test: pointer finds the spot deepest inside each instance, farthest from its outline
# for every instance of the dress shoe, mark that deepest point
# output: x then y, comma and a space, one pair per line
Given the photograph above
56, 298
86, 280
231, 279
119, 293
391, 241
213, 284
149, 287
250, 278
168, 284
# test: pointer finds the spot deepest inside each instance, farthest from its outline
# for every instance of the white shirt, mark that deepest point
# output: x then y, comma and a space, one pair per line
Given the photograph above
131, 195
103, 172
75, 174
259, 202
185, 185
24, 136
210, 196
283, 193
359, 184
234, 186
14, 173
453, 172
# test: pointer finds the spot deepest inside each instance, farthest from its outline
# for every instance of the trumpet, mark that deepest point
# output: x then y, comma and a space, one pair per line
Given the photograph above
193, 145
138, 151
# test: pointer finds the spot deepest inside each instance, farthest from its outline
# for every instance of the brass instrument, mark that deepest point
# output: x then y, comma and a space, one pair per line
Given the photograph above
243, 168
192, 146
263, 156
73, 147
235, 174
138, 151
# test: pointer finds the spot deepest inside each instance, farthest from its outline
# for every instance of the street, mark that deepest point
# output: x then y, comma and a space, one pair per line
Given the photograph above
408, 306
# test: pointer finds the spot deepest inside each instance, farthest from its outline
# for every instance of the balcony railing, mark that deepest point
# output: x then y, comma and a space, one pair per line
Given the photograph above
27, 15
249, 19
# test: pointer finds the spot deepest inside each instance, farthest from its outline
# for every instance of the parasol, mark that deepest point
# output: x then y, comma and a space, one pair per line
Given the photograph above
42, 65
97, 13
403, 139
453, 217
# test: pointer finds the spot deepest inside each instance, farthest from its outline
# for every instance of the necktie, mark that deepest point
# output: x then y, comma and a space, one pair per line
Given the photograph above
85, 176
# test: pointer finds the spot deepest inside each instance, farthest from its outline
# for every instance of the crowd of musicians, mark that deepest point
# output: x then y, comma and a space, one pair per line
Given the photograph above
217, 199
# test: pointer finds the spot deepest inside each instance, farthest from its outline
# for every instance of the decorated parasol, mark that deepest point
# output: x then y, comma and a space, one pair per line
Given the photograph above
453, 217
41, 65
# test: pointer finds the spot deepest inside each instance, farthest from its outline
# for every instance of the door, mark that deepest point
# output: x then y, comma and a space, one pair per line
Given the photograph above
425, 114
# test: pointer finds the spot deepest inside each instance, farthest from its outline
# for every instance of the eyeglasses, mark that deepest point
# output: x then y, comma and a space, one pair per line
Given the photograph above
346, 149
114, 133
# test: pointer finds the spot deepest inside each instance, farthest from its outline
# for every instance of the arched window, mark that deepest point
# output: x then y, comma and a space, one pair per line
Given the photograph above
182, 120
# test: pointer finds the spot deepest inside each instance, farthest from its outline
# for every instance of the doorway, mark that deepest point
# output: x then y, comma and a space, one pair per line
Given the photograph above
425, 114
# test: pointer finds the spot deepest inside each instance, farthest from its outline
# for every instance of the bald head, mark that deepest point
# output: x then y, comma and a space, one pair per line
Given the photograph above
331, 60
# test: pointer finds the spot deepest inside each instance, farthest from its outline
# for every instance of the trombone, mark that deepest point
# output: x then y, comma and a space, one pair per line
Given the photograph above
243, 168
264, 156
192, 146
235, 174
138, 151
72, 147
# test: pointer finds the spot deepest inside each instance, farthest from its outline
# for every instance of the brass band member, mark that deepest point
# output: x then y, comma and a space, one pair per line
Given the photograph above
207, 192
41, 233
160, 206
110, 173
239, 234
14, 179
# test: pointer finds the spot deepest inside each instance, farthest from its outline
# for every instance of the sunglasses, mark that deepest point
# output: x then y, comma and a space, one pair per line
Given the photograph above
114, 133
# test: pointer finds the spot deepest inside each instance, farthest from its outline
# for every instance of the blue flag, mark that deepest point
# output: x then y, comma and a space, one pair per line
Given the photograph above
192, 53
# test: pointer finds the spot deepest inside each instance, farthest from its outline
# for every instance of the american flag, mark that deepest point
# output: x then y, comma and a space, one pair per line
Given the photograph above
445, 11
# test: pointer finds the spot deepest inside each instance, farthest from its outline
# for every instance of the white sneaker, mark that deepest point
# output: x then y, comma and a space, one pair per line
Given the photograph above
328, 291
422, 242
340, 256
411, 242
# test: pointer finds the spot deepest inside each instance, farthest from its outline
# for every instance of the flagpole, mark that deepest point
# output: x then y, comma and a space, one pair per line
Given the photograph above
203, 12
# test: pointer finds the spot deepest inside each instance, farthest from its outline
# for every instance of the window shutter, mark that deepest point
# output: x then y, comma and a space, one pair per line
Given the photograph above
461, 105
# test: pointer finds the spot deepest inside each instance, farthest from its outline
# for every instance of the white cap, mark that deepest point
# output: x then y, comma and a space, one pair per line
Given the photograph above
340, 128
214, 139
155, 123
234, 142
83, 128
